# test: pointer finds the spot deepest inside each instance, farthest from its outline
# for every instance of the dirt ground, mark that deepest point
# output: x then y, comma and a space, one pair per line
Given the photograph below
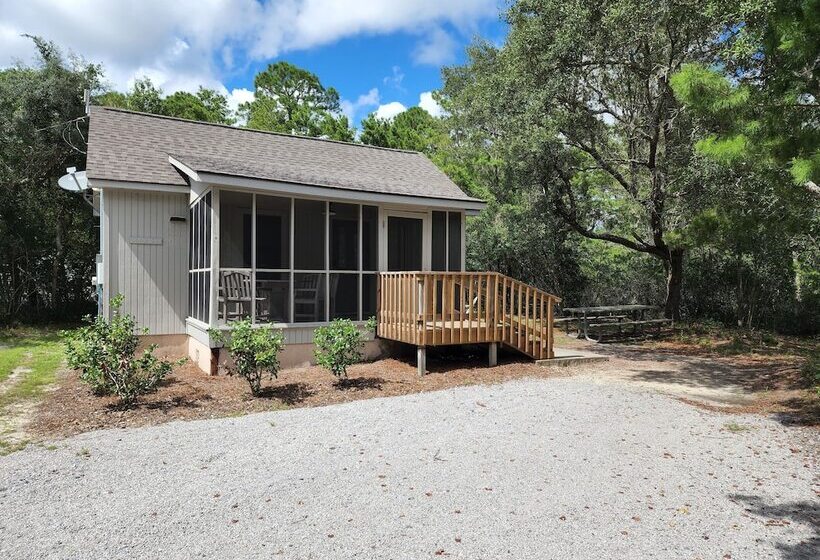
190, 394
717, 376
751, 382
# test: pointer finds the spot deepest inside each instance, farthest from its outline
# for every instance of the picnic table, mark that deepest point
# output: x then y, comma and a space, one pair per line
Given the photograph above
602, 317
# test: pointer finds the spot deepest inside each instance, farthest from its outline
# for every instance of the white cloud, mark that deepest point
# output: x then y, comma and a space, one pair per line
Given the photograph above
437, 48
299, 24
237, 96
390, 110
395, 79
426, 102
429, 104
351, 108
179, 43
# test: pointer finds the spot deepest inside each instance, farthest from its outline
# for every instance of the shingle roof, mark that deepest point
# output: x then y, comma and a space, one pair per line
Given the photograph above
130, 146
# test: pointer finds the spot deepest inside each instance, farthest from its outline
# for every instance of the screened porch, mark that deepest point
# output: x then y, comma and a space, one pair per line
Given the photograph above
293, 261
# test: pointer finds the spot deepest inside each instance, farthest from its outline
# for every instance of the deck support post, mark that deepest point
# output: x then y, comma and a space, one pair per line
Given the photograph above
421, 360
493, 354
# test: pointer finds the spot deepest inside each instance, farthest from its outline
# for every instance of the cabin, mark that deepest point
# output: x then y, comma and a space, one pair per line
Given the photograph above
204, 224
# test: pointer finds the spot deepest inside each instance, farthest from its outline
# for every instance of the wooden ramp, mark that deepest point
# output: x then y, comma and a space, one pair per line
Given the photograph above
445, 308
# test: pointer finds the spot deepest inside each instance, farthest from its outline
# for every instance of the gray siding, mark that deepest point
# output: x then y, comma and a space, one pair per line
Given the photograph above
146, 256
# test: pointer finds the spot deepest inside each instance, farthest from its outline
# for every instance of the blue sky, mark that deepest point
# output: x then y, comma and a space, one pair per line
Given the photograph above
356, 65
382, 55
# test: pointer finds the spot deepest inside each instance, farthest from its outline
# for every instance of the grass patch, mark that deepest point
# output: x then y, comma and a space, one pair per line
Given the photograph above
7, 447
10, 358
40, 352
42, 355
735, 428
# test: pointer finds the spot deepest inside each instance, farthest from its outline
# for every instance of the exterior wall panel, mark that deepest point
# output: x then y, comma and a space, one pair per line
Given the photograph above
146, 257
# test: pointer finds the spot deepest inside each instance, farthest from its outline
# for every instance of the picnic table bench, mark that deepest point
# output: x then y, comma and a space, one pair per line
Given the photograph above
603, 318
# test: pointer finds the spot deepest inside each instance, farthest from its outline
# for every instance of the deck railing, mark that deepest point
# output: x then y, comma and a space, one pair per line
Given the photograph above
441, 308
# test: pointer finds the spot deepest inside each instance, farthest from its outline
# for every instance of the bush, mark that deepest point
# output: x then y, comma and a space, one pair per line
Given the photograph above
339, 345
811, 371
105, 353
255, 351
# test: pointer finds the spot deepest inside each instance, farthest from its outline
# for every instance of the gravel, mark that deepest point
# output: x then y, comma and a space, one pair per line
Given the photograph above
561, 468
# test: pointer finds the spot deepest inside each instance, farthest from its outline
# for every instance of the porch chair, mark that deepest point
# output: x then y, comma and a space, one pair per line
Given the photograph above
307, 299
236, 294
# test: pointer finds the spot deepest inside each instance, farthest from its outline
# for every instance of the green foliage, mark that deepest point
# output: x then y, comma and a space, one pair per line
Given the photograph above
292, 100
811, 371
338, 346
557, 103
761, 85
752, 251
521, 239
205, 105
47, 236
413, 129
105, 353
254, 351
708, 91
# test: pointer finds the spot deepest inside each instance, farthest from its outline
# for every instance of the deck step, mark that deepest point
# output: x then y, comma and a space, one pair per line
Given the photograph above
566, 358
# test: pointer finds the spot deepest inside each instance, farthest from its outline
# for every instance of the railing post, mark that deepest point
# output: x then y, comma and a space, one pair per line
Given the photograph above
550, 352
424, 312
379, 307
421, 360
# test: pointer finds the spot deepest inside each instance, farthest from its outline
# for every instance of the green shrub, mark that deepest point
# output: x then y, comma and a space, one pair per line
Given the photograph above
105, 353
254, 351
338, 345
811, 371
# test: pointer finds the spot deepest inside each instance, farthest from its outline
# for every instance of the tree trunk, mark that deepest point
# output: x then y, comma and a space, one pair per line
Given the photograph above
674, 281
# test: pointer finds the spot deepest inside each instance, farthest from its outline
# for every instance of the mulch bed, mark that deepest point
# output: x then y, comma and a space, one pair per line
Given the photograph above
189, 394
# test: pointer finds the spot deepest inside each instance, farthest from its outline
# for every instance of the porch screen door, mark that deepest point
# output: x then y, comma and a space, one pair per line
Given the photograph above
404, 243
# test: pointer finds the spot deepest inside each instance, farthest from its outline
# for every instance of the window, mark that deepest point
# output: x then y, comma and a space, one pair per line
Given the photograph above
454, 241
344, 236
235, 212
369, 283
446, 249
309, 234
273, 297
344, 296
199, 259
439, 254
308, 297
370, 238
272, 232
291, 260
235, 256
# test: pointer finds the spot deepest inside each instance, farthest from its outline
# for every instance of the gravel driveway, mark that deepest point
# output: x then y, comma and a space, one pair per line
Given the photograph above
557, 468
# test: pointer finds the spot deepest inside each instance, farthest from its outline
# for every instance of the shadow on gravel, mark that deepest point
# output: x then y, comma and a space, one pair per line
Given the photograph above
782, 515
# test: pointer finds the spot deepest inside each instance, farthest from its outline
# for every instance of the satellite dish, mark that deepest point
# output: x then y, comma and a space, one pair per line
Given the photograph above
74, 181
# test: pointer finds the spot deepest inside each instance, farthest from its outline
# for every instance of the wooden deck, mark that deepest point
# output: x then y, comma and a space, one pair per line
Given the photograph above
445, 308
